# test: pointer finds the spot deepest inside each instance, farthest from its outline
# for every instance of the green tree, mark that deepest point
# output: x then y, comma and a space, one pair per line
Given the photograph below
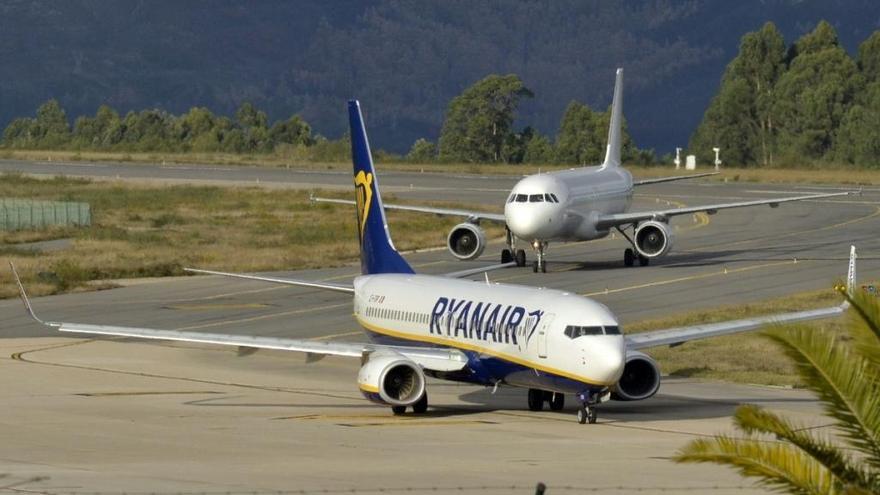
539, 150
478, 121
814, 94
578, 140
19, 133
740, 119
869, 58
857, 139
97, 132
247, 115
422, 151
294, 130
51, 129
844, 372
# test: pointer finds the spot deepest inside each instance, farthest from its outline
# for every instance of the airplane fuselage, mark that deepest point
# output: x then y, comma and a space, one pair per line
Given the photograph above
547, 339
564, 205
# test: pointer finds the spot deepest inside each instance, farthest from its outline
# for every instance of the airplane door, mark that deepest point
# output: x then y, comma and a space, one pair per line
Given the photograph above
543, 330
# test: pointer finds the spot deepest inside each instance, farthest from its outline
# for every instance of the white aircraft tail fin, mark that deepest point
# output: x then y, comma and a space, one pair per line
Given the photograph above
615, 138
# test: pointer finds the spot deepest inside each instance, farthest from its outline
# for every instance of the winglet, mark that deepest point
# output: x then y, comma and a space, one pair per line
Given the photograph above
612, 153
851, 272
23, 295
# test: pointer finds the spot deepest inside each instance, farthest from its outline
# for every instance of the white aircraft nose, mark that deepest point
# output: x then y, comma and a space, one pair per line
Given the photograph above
531, 221
606, 359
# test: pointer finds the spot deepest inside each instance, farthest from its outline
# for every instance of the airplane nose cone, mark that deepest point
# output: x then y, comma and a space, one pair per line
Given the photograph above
530, 221
607, 357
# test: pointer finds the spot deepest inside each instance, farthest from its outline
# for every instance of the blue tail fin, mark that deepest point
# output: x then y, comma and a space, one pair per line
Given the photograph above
378, 254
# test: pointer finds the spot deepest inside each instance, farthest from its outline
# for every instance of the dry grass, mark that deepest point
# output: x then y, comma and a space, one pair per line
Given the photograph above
148, 231
744, 358
827, 174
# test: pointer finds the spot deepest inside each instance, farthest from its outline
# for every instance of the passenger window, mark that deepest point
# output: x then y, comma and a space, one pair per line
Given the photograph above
536, 198
521, 198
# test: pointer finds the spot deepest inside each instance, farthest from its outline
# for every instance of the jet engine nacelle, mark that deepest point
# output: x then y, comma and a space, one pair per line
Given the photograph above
640, 379
653, 239
388, 378
466, 241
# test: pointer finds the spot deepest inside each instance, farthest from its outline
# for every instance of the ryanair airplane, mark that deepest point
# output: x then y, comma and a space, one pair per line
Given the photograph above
551, 342
580, 204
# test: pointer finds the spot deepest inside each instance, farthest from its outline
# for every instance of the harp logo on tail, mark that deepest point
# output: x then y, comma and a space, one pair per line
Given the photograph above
363, 187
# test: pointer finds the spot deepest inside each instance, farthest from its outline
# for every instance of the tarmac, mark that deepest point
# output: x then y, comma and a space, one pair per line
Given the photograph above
125, 416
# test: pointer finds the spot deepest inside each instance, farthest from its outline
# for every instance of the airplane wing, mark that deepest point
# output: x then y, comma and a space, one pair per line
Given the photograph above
645, 182
471, 215
680, 335
432, 358
347, 288
614, 220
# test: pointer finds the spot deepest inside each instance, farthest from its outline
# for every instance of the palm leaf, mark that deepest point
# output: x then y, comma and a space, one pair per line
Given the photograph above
753, 419
778, 465
844, 382
865, 326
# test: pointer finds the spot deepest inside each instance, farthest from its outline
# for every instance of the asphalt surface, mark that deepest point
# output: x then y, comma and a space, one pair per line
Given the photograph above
270, 422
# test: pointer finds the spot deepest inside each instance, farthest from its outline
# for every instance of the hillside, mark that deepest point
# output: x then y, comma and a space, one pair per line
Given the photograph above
404, 59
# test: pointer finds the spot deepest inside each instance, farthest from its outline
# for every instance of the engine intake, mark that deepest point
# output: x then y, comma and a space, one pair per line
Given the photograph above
466, 241
653, 239
391, 379
640, 379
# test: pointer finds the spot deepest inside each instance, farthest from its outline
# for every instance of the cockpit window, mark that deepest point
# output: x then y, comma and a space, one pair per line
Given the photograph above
511, 198
555, 199
536, 198
522, 198
575, 331
548, 198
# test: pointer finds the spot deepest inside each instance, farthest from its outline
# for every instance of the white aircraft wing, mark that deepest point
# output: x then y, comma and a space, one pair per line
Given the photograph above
432, 358
645, 182
680, 335
347, 288
472, 215
614, 220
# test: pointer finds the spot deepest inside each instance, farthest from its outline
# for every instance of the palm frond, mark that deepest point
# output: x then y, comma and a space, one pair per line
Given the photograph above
778, 465
844, 382
753, 419
865, 325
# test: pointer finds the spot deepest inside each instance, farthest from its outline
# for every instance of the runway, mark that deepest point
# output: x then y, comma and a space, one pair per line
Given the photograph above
113, 416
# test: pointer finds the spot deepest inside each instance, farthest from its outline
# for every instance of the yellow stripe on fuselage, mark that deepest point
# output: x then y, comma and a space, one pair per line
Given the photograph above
476, 348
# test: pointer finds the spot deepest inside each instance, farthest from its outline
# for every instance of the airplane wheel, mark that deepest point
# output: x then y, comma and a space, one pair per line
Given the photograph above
629, 257
586, 414
644, 260
421, 405
557, 401
591, 415
582, 415
536, 399
398, 410
520, 257
506, 257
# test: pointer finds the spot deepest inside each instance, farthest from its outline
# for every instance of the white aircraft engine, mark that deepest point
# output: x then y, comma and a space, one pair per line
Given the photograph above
640, 379
653, 239
466, 241
390, 379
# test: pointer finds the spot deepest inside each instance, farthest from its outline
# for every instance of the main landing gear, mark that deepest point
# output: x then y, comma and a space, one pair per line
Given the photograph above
419, 407
537, 398
630, 255
510, 253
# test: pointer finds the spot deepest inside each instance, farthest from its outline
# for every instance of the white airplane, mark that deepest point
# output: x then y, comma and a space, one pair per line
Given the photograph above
548, 341
579, 204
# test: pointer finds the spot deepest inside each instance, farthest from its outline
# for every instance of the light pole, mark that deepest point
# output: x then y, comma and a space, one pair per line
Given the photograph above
677, 160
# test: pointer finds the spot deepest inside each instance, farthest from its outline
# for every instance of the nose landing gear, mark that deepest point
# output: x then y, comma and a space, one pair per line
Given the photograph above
587, 411
540, 264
